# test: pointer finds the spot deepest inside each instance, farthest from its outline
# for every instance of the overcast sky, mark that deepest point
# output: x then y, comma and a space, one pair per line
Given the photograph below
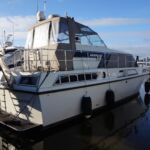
122, 24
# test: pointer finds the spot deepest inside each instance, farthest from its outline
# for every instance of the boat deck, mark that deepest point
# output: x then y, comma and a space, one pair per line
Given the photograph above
16, 124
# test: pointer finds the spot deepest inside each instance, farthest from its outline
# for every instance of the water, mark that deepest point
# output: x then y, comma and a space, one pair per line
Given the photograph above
126, 127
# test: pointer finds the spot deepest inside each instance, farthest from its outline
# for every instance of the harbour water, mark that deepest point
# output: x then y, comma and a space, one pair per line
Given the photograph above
125, 127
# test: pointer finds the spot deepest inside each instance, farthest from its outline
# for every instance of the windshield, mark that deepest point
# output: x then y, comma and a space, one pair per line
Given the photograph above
86, 36
93, 40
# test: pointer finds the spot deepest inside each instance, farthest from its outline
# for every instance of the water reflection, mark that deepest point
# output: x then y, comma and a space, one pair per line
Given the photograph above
124, 127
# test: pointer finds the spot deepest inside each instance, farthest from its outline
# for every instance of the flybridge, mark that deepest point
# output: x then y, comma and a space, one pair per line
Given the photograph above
61, 30
57, 40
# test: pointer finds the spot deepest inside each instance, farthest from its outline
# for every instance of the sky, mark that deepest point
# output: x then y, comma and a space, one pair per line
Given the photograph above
122, 24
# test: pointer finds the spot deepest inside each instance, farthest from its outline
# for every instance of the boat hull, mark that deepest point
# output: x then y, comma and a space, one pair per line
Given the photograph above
49, 108
63, 104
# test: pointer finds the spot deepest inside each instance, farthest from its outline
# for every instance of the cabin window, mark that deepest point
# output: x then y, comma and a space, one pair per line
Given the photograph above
73, 78
94, 75
63, 36
59, 33
41, 36
122, 61
92, 40
95, 40
29, 80
86, 36
58, 81
81, 39
29, 40
130, 61
81, 77
88, 76
64, 79
85, 29
117, 61
112, 60
102, 62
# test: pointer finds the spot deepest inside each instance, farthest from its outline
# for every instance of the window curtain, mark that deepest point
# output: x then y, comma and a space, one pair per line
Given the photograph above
41, 36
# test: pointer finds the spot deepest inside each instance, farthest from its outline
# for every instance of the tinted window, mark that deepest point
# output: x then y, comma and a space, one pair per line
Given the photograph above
63, 36
85, 29
117, 60
102, 62
64, 79
58, 81
73, 78
81, 77
94, 76
29, 80
130, 61
112, 60
88, 76
122, 61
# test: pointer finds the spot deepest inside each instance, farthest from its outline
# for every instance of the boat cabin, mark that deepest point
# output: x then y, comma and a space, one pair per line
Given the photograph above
60, 37
62, 44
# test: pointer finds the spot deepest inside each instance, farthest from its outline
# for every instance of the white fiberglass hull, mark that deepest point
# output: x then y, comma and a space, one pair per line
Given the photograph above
65, 104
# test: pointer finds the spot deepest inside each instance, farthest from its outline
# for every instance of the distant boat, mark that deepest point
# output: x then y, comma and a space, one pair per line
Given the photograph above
8, 50
67, 70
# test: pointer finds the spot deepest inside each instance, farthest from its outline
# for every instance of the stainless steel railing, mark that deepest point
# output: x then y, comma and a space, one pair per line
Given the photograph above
32, 60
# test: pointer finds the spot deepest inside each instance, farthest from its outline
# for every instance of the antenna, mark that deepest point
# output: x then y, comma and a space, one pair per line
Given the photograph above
37, 5
45, 3
13, 34
66, 14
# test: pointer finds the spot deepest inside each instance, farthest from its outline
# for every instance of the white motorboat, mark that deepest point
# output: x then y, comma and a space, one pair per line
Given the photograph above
67, 70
